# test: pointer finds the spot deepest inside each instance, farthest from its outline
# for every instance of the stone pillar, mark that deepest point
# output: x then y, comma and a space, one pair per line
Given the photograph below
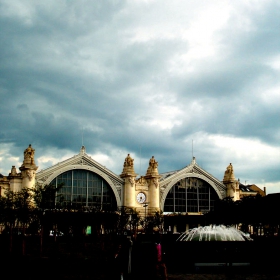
28, 168
129, 176
152, 178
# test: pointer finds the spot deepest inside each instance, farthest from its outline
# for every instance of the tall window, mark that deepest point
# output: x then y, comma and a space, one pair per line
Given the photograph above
190, 195
84, 188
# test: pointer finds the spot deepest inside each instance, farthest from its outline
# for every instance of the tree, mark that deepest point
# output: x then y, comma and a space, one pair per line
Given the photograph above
16, 213
24, 210
8, 215
158, 220
45, 196
224, 212
128, 219
152, 222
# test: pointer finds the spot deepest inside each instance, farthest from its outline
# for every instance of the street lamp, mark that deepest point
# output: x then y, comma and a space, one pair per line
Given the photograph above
145, 205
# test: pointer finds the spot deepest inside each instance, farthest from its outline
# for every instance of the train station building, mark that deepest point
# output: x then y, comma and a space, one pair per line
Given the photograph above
87, 183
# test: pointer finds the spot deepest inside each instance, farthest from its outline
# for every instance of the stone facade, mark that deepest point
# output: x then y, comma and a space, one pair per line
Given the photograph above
146, 194
24, 179
143, 192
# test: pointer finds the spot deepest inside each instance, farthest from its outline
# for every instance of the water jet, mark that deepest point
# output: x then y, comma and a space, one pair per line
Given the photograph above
214, 233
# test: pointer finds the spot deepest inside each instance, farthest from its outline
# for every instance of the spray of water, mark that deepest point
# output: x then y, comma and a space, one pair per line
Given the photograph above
214, 233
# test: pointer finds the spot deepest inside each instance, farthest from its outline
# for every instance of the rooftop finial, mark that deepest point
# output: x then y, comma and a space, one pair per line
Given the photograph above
83, 150
193, 160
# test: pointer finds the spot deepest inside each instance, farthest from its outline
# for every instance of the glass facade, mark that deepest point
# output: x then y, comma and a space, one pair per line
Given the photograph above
190, 195
82, 188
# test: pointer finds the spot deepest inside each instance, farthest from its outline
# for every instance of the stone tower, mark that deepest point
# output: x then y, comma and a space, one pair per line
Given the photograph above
152, 179
141, 194
129, 176
28, 168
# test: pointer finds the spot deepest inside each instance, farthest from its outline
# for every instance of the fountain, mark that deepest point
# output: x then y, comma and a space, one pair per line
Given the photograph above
233, 251
214, 233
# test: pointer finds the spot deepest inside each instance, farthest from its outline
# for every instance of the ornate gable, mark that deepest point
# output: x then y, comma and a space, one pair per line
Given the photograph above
193, 170
81, 161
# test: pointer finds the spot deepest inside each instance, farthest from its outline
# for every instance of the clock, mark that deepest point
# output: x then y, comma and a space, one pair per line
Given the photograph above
141, 197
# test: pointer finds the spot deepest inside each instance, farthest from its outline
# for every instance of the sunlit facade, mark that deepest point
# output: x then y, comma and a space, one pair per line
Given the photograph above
85, 183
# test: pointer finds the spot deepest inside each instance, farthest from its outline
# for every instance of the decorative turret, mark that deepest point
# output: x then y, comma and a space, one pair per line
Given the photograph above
152, 178
129, 176
28, 168
15, 179
13, 172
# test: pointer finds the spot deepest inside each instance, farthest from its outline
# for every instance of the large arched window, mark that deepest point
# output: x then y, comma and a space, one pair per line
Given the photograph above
190, 195
84, 188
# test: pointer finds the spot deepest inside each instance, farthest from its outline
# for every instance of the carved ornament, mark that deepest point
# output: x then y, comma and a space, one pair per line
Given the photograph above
30, 174
131, 181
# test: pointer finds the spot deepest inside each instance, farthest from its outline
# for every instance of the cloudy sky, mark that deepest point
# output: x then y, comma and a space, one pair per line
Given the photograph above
165, 78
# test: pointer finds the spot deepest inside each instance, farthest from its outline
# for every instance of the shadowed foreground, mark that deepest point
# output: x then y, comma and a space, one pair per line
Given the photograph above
73, 259
78, 268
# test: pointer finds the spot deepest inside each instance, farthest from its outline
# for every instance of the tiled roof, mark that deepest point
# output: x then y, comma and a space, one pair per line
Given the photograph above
244, 188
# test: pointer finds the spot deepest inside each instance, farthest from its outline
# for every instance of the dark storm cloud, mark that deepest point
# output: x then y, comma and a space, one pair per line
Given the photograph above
114, 73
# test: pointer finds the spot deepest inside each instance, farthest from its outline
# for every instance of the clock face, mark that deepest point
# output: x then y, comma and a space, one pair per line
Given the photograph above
141, 197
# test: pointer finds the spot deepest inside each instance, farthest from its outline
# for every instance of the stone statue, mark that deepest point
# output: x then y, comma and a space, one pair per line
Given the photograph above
128, 167
153, 163
229, 169
128, 161
29, 155
152, 169
229, 174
